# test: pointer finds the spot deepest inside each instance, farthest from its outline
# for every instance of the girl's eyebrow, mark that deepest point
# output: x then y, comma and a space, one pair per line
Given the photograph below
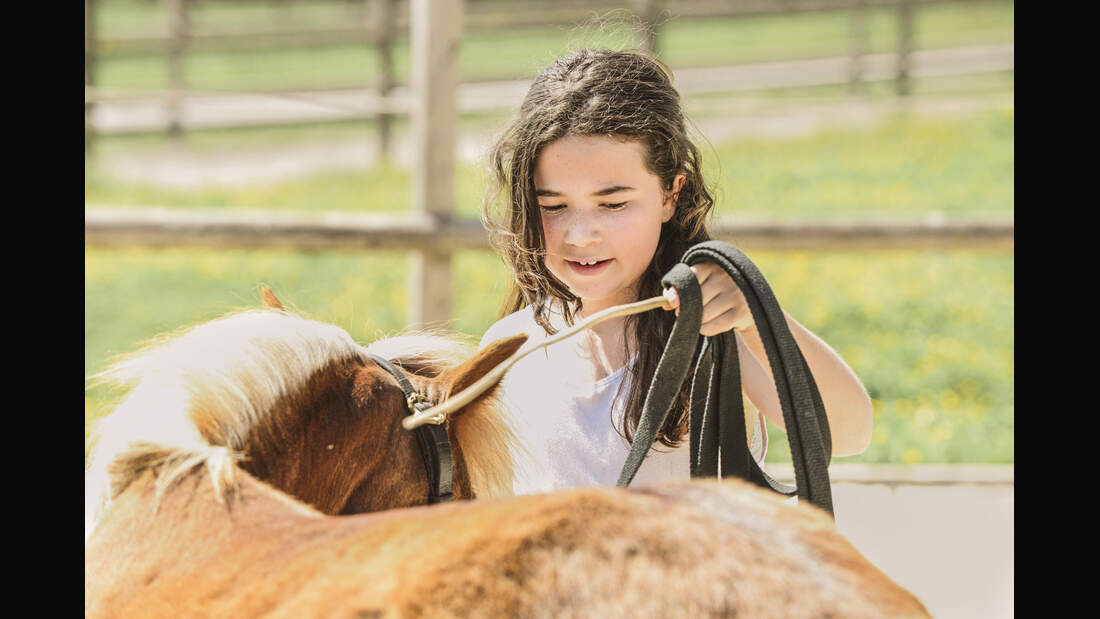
603, 192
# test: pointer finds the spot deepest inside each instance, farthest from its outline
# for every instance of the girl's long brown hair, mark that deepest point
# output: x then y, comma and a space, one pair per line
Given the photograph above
626, 95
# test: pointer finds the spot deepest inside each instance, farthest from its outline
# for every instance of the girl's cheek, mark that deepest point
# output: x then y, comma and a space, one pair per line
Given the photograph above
548, 229
552, 236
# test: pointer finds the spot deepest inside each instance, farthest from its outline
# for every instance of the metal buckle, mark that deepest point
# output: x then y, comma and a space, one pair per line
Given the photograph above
415, 398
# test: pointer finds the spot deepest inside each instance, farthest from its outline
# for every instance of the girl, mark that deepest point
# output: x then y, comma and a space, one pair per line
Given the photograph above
603, 194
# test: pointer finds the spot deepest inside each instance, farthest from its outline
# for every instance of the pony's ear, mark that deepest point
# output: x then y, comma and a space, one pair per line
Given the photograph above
466, 374
270, 300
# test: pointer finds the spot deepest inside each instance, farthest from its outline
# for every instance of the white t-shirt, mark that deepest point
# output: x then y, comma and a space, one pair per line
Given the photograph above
566, 423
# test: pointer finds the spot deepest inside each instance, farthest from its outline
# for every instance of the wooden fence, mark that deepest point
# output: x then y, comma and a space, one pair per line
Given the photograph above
433, 239
113, 227
382, 23
431, 232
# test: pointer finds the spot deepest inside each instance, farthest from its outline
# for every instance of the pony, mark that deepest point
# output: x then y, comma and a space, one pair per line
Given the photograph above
258, 467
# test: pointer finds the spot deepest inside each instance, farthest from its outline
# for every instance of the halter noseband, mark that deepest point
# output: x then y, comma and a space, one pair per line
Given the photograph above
435, 444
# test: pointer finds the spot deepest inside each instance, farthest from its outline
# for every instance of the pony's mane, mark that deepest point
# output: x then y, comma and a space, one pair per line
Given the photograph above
196, 395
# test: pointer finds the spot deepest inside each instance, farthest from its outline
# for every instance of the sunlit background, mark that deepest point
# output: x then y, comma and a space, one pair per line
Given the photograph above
893, 112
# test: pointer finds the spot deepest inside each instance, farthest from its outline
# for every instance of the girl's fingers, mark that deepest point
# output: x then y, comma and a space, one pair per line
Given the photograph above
720, 324
713, 281
723, 302
708, 283
719, 305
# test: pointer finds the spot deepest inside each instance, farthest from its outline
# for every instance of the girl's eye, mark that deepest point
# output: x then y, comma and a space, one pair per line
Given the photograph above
552, 208
616, 206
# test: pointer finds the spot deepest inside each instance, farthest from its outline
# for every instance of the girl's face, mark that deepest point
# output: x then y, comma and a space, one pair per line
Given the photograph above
602, 212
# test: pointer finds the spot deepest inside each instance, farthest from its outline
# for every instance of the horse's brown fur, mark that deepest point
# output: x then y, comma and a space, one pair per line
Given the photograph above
701, 549
271, 519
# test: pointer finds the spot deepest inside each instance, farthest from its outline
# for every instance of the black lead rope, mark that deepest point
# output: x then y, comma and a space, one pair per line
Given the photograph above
717, 421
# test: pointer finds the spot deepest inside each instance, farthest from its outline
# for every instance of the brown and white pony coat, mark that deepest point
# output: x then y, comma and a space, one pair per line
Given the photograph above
258, 468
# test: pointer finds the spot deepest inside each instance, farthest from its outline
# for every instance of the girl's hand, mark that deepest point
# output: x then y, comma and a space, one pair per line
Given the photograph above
724, 305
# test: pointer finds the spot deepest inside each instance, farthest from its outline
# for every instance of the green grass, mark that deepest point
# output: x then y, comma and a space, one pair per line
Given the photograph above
905, 167
909, 166
931, 334
521, 53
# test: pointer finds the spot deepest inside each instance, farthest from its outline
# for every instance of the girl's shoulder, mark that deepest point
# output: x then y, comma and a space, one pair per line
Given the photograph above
522, 321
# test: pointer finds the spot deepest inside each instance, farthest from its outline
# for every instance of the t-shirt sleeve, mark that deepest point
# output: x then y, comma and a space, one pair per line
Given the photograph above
496, 331
512, 324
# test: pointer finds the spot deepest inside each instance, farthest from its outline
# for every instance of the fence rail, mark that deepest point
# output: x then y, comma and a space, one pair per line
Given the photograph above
382, 23
478, 17
198, 110
109, 227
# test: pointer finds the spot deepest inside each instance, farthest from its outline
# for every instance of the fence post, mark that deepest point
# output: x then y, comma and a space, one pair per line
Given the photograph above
436, 29
382, 24
89, 73
177, 40
857, 19
905, 45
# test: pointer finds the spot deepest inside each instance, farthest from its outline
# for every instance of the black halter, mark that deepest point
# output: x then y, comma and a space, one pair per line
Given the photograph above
435, 445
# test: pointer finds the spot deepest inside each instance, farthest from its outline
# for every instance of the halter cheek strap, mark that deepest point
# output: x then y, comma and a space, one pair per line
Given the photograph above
435, 444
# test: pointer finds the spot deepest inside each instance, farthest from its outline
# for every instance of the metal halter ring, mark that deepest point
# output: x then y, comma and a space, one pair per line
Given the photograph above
415, 398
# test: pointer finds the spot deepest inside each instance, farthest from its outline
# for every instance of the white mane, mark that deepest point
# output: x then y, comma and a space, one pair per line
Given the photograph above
196, 396
222, 375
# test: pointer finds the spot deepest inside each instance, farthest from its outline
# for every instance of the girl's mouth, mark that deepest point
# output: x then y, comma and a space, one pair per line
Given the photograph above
588, 267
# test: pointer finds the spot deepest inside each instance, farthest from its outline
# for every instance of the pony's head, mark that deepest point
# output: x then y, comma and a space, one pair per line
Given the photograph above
299, 405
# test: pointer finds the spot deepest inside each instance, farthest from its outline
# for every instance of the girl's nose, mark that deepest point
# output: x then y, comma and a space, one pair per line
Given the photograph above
582, 230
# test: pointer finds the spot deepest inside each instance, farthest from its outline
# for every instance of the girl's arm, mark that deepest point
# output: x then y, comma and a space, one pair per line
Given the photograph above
847, 405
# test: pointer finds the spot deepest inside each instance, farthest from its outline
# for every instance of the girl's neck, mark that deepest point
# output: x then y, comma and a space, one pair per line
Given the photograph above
603, 346
600, 348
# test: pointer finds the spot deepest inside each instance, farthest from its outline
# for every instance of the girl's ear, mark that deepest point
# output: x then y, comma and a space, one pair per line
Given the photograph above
669, 207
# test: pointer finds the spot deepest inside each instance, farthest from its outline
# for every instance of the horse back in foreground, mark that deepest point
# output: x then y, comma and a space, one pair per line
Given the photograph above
695, 549
258, 467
